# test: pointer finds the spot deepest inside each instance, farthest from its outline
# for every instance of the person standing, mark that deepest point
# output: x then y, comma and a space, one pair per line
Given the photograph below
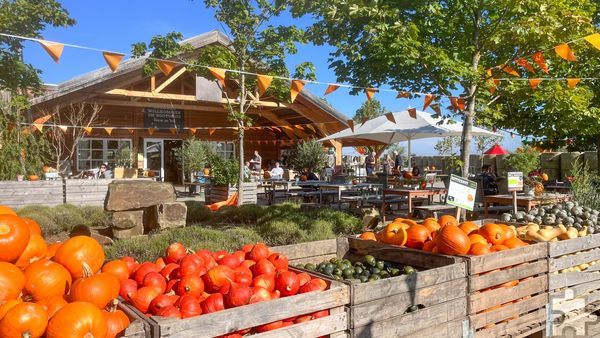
397, 162
370, 163
256, 161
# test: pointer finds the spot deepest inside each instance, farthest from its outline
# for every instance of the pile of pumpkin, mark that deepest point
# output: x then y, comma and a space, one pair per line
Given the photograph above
446, 236
54, 290
185, 284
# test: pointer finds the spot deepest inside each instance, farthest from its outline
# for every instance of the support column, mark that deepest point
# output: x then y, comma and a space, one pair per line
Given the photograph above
338, 151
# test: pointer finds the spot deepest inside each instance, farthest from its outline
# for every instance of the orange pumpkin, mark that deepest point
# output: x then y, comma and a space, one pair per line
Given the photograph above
468, 227
52, 305
4, 210
46, 169
51, 249
477, 238
99, 289
447, 219
394, 233
34, 178
45, 279
450, 240
499, 247
407, 221
479, 249
76, 320
431, 224
509, 232
12, 281
493, 233
35, 250
514, 242
417, 235
368, 235
24, 320
78, 250
9, 304
117, 268
14, 237
408, 175
429, 246
34, 227
116, 320
544, 177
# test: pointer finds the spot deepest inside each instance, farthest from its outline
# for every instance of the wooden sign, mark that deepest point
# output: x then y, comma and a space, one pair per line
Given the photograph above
163, 118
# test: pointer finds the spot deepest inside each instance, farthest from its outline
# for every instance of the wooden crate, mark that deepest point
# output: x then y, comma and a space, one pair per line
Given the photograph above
230, 320
377, 309
575, 291
139, 327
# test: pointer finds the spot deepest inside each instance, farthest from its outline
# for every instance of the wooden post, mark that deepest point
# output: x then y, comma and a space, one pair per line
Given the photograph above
458, 213
514, 198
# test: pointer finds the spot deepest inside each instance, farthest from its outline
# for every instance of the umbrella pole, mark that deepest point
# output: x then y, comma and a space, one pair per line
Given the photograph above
409, 155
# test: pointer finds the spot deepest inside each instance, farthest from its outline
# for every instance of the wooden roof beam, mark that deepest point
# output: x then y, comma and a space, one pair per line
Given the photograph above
170, 80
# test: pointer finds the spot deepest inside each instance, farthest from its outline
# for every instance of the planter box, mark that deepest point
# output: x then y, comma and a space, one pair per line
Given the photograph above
247, 316
221, 193
121, 172
377, 309
573, 292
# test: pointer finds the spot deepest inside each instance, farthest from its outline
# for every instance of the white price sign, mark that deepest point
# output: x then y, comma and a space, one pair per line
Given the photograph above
515, 181
461, 192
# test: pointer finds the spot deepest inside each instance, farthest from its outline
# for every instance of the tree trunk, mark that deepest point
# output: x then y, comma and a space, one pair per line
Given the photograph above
241, 134
598, 152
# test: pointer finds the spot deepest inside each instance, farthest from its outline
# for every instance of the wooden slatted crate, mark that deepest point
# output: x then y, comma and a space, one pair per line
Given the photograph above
139, 326
378, 308
335, 298
573, 291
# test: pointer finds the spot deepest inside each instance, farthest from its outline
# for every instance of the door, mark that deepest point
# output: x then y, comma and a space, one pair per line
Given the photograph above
154, 157
171, 170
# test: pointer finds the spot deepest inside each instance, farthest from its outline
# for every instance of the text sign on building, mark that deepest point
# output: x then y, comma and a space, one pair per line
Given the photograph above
163, 118
461, 192
515, 181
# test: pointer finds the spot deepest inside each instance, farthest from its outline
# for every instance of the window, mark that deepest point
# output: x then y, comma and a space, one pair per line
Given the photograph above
225, 149
91, 153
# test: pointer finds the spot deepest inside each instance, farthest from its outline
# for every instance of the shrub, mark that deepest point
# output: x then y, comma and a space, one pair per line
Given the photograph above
244, 215
197, 212
281, 232
63, 218
585, 186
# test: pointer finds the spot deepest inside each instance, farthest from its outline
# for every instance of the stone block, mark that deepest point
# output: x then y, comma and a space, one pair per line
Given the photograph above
128, 233
137, 194
128, 219
166, 216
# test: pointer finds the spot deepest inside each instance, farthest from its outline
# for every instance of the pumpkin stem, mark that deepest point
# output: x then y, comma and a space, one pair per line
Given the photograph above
26, 335
87, 271
112, 307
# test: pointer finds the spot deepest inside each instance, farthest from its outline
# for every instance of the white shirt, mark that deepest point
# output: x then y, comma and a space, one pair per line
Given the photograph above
277, 172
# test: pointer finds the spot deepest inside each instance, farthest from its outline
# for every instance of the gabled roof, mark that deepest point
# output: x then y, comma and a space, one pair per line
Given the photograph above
83, 83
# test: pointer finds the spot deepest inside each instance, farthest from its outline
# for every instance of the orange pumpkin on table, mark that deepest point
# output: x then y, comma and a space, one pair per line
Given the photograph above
417, 235
431, 224
468, 227
477, 238
514, 242
368, 235
394, 233
479, 249
450, 240
447, 219
493, 233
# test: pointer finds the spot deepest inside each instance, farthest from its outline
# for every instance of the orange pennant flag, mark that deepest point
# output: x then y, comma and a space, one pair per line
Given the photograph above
436, 109
166, 67
298, 126
594, 39
412, 112
565, 52
296, 88
151, 131
525, 64
211, 131
390, 117
351, 124
130, 130
538, 58
109, 130
573, 82
311, 128
510, 70
489, 72
264, 81
461, 103
494, 85
192, 131
428, 100
219, 73
331, 88
38, 126
54, 49
63, 128
43, 119
173, 131
534, 83
454, 102
403, 95
370, 92
113, 59
88, 130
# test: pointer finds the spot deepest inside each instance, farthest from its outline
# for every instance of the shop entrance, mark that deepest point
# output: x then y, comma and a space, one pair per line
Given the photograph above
159, 156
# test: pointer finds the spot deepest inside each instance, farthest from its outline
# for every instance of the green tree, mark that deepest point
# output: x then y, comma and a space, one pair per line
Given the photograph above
308, 154
369, 110
26, 18
259, 47
441, 47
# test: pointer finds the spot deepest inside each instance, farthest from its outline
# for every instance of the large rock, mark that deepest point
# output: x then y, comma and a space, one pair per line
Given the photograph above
137, 194
128, 233
128, 219
167, 215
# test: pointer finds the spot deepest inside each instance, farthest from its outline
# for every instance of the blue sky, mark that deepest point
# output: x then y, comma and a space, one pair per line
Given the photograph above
116, 24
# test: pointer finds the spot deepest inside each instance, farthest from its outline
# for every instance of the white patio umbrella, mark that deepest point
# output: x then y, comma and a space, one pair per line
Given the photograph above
381, 130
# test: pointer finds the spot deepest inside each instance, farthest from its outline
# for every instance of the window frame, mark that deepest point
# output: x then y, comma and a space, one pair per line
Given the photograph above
104, 149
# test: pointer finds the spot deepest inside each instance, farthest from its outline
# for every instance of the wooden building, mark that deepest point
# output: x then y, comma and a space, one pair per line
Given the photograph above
153, 114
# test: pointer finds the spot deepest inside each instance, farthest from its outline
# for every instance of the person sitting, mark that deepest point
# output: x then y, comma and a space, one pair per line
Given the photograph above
416, 172
104, 171
488, 179
247, 171
276, 172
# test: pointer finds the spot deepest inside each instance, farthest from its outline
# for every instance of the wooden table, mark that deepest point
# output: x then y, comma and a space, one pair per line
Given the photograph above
558, 188
271, 188
410, 194
527, 202
340, 187
195, 184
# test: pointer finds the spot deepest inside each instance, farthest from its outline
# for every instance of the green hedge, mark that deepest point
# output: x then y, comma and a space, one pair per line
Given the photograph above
63, 218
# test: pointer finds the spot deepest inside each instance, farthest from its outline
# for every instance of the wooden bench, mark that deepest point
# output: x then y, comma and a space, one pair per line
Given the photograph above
432, 210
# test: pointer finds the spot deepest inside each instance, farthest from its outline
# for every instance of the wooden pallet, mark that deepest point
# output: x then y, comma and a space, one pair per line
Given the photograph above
573, 291
230, 320
377, 309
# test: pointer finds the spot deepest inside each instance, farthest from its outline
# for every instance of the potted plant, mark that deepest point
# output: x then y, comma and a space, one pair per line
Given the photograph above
527, 160
224, 177
193, 157
124, 163
308, 157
